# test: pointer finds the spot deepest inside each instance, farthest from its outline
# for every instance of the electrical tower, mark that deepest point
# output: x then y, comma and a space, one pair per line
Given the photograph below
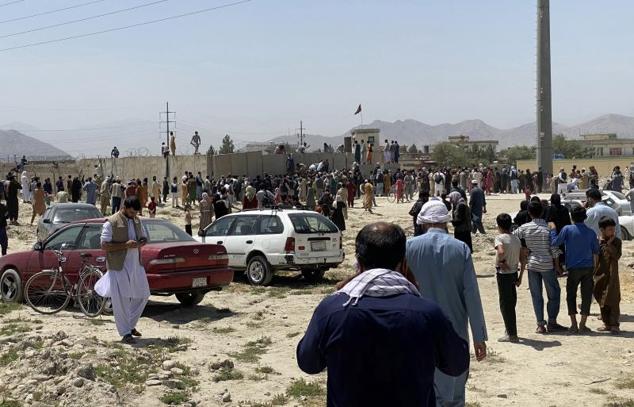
166, 118
300, 135
544, 96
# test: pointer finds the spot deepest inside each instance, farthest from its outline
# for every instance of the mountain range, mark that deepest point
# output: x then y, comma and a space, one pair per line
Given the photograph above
415, 132
142, 137
15, 144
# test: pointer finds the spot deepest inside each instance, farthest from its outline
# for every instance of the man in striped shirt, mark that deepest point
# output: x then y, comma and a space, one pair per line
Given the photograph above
536, 237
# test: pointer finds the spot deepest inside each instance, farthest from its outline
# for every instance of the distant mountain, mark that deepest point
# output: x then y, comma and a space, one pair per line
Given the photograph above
141, 137
414, 132
17, 144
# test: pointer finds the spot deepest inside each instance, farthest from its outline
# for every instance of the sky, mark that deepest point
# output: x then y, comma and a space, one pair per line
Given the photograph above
254, 70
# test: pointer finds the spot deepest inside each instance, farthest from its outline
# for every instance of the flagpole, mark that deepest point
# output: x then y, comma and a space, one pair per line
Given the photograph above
361, 113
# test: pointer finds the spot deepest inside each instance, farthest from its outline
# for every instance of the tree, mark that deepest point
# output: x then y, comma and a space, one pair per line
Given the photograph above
211, 150
515, 153
403, 148
570, 148
412, 149
449, 154
227, 146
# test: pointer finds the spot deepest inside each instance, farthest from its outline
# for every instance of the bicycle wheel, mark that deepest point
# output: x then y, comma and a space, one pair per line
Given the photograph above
90, 303
47, 292
391, 196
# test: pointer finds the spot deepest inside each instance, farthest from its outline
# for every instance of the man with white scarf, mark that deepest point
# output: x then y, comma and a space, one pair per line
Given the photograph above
443, 267
380, 341
125, 282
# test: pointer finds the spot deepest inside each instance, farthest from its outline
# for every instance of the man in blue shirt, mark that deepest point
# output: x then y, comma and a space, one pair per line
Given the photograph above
599, 210
582, 249
444, 269
381, 341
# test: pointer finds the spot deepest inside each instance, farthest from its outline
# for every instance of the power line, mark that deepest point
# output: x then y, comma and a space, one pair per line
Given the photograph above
79, 20
44, 13
73, 37
10, 3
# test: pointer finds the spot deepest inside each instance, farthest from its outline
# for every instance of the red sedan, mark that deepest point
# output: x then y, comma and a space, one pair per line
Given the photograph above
174, 262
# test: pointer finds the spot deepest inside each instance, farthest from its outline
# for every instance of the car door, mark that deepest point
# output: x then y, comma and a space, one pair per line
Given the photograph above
89, 242
240, 239
65, 240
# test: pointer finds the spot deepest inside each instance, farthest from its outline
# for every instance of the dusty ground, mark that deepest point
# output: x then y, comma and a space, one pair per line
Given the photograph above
239, 344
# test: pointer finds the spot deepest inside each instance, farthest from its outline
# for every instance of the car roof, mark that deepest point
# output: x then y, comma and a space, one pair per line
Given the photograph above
268, 211
103, 220
72, 205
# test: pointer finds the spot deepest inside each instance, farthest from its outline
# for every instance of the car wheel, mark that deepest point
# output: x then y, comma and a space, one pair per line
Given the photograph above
191, 298
11, 286
259, 271
314, 275
625, 234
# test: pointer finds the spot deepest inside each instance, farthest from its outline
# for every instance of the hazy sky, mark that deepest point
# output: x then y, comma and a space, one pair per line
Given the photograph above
256, 69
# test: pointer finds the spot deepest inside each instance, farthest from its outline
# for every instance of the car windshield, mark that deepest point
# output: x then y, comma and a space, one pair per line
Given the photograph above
68, 215
312, 223
164, 231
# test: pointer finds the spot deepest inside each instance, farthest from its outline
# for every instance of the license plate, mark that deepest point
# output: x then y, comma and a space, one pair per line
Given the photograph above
319, 246
199, 282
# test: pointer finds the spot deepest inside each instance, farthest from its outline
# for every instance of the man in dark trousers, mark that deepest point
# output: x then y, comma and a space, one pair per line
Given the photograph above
379, 327
478, 206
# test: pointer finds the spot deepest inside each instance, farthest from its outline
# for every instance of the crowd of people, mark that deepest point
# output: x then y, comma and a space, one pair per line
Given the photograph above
429, 279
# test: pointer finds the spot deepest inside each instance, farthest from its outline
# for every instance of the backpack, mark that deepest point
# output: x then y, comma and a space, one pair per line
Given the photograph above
438, 178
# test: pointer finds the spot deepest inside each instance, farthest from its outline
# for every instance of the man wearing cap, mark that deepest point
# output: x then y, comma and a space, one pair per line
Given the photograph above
444, 270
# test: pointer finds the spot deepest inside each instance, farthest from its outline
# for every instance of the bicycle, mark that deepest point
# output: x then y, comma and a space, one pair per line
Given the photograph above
50, 291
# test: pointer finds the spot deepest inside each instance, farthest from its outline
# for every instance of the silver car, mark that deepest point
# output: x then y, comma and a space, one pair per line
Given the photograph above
613, 199
58, 215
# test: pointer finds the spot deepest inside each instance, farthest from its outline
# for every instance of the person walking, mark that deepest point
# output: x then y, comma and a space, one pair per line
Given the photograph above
91, 191
381, 304
104, 195
444, 270
582, 249
125, 282
4, 239
607, 289
541, 269
155, 189
116, 192
39, 204
206, 207
13, 208
599, 210
507, 248
478, 206
166, 190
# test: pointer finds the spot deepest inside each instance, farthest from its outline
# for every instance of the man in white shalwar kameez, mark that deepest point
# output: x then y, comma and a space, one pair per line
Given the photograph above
125, 282
26, 187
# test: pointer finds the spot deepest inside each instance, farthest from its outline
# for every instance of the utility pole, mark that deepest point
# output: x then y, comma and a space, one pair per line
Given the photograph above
301, 134
544, 96
168, 119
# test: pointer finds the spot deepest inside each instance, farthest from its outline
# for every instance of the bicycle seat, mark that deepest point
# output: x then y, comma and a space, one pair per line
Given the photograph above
85, 255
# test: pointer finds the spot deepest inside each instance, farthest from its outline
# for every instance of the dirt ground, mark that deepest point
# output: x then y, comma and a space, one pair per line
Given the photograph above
239, 344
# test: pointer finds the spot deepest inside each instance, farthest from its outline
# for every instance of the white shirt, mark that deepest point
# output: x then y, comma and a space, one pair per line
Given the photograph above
131, 281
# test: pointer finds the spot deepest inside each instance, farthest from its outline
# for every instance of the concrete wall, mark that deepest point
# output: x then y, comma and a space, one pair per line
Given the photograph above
604, 166
126, 167
256, 163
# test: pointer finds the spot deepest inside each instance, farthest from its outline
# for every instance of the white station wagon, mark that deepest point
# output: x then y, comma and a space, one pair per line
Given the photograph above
264, 241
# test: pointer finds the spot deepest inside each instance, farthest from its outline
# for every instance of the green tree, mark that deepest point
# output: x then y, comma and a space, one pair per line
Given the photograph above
570, 148
211, 150
412, 149
227, 146
449, 154
515, 153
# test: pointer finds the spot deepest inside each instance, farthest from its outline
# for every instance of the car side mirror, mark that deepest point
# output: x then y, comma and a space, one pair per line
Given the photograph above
46, 221
38, 246
201, 232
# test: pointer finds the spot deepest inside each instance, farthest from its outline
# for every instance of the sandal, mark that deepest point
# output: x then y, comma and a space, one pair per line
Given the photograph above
134, 332
604, 329
541, 329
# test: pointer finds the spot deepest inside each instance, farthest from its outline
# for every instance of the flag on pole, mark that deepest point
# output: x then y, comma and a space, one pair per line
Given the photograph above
358, 110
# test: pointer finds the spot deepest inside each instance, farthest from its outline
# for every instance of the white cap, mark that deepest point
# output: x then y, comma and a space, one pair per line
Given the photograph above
433, 212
